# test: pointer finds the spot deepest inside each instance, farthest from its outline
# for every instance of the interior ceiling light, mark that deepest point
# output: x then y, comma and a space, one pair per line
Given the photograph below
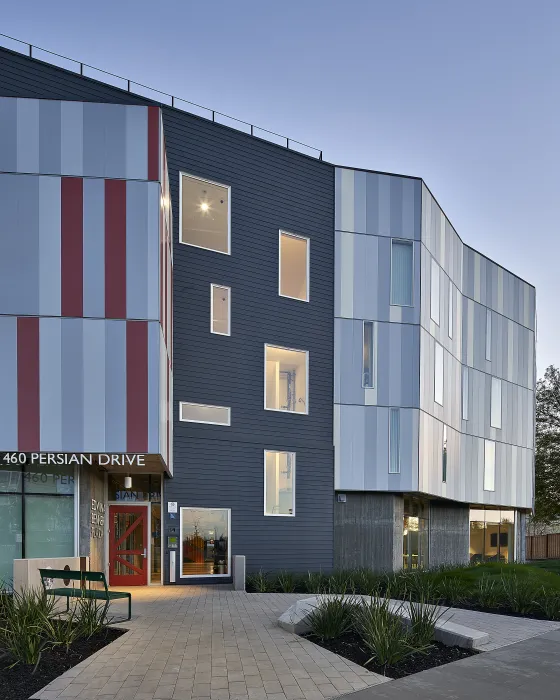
128, 482
204, 207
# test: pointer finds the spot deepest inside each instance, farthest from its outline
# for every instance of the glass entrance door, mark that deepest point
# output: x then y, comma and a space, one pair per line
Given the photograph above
128, 545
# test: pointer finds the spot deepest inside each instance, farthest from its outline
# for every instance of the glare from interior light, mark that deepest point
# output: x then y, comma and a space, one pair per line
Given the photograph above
128, 482
204, 206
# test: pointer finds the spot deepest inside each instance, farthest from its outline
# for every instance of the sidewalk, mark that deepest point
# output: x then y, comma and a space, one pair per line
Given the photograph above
529, 669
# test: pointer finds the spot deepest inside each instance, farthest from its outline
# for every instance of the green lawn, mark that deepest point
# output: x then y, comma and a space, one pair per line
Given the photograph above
544, 573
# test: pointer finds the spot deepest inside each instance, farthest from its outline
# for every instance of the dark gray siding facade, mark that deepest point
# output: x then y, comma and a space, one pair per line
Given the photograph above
272, 188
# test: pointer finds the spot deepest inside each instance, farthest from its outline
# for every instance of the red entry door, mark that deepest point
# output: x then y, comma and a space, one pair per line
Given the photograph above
128, 545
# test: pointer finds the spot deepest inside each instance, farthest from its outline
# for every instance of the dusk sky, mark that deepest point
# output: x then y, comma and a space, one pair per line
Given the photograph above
463, 94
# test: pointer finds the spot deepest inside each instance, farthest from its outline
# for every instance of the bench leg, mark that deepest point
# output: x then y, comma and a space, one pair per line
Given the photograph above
129, 607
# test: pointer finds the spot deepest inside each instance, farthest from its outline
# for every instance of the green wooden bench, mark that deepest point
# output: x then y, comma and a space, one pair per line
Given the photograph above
81, 591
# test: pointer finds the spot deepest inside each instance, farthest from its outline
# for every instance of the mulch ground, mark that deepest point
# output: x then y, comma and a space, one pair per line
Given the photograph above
19, 682
351, 647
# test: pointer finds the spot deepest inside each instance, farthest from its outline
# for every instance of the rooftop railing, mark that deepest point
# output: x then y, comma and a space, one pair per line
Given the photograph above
163, 98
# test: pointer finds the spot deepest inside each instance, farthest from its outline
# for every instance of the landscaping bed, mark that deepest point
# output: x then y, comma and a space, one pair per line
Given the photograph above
351, 647
20, 682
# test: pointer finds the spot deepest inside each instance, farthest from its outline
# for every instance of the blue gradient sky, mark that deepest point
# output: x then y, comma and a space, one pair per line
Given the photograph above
464, 94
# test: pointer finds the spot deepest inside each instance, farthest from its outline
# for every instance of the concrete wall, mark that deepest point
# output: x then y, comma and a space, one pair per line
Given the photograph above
449, 533
92, 486
368, 531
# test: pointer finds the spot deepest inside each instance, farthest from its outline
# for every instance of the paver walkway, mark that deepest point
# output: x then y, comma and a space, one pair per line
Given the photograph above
212, 643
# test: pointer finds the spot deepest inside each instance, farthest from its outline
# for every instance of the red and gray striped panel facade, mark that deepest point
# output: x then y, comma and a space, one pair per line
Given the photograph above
85, 279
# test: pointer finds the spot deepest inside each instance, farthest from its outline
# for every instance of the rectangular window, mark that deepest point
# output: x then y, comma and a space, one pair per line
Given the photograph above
489, 465
402, 272
293, 264
438, 374
394, 441
434, 299
367, 368
496, 403
465, 393
205, 548
488, 334
279, 483
220, 309
204, 214
450, 311
285, 380
202, 413
444, 456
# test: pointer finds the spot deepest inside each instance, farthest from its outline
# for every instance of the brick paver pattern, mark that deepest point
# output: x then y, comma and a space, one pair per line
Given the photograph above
211, 643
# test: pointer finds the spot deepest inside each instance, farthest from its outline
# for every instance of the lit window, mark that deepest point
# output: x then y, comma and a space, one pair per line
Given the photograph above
394, 441
220, 307
402, 273
488, 334
465, 393
444, 456
434, 300
294, 266
202, 413
279, 483
285, 385
496, 403
450, 311
489, 465
438, 375
205, 220
205, 548
367, 369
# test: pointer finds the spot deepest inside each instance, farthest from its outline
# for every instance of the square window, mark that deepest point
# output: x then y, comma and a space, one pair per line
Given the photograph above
220, 309
285, 384
294, 266
205, 218
279, 483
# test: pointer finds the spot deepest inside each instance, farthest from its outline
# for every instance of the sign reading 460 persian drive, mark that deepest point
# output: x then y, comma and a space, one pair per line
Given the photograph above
79, 458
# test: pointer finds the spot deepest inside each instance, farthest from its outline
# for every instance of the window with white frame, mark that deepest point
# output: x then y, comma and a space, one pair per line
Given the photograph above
496, 403
438, 374
465, 393
402, 272
204, 214
203, 413
489, 465
488, 334
285, 379
368, 357
293, 266
394, 441
450, 311
279, 483
220, 309
434, 298
205, 548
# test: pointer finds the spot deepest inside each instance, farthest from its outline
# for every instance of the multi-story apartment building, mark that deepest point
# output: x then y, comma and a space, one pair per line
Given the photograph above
215, 345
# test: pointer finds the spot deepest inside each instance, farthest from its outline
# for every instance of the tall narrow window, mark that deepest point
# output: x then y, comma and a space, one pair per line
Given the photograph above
279, 483
367, 370
496, 403
434, 299
220, 309
450, 311
465, 393
488, 334
285, 385
444, 456
394, 441
294, 266
205, 220
438, 374
402, 272
489, 465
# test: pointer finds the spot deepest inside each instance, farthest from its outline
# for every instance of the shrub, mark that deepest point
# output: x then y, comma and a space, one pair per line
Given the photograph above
341, 582
397, 585
367, 582
332, 617
383, 632
453, 590
487, 592
423, 619
315, 582
91, 616
549, 603
64, 629
421, 586
519, 593
286, 582
260, 582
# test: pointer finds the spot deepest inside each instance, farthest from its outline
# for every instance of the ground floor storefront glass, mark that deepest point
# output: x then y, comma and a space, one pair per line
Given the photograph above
415, 534
37, 514
205, 542
492, 535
